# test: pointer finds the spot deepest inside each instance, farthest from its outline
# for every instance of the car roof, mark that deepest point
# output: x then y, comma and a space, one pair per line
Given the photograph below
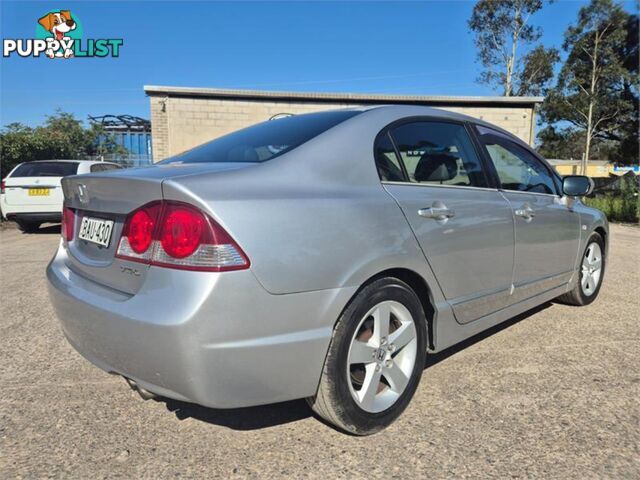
66, 160
420, 110
88, 162
399, 112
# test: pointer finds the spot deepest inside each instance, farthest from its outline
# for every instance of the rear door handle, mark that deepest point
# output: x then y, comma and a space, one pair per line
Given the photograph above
437, 213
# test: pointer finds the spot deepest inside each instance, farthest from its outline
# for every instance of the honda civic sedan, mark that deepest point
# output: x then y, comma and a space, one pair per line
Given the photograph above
319, 256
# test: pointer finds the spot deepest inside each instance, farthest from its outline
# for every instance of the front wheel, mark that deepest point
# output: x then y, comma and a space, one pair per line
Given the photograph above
590, 275
375, 359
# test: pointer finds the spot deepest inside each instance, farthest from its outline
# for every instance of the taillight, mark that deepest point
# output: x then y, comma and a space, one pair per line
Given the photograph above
178, 235
138, 233
181, 231
68, 219
2, 186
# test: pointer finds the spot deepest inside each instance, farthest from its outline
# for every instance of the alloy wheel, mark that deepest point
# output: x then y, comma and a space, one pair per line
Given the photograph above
591, 269
382, 356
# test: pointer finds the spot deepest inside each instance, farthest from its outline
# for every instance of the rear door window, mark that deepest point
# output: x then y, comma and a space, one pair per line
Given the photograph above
389, 167
45, 169
439, 153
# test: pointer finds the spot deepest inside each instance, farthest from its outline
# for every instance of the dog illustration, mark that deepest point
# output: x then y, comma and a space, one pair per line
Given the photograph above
58, 24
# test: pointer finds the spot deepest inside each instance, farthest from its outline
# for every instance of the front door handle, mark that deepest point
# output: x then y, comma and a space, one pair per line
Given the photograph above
436, 212
525, 212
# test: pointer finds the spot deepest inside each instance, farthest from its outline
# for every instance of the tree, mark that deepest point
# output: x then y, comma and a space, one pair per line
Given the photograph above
61, 137
501, 27
589, 95
627, 132
567, 144
560, 144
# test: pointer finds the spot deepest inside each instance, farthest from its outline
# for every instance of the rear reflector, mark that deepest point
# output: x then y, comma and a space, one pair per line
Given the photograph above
67, 226
178, 235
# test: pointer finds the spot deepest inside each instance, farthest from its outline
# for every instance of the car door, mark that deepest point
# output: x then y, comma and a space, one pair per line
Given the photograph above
547, 230
464, 226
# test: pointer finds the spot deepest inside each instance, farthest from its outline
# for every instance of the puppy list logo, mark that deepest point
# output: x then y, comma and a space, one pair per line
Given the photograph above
59, 35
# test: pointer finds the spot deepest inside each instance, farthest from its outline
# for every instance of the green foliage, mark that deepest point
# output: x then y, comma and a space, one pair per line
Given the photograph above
560, 143
619, 208
62, 136
596, 90
554, 142
537, 71
501, 27
626, 132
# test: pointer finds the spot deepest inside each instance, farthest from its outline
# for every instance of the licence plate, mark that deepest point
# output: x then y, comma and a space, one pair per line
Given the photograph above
38, 192
96, 230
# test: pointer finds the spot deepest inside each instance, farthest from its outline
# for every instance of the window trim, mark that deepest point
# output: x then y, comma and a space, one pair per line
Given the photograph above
435, 185
491, 185
555, 178
387, 133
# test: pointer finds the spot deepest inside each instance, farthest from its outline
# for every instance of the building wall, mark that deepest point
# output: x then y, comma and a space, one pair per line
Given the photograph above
180, 123
595, 168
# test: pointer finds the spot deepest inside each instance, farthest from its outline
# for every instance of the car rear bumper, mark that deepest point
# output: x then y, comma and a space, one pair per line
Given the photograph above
46, 210
216, 339
41, 217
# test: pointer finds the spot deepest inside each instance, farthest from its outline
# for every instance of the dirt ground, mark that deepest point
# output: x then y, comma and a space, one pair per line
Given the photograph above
552, 393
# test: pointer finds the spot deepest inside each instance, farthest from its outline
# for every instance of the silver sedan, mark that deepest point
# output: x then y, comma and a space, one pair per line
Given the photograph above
320, 256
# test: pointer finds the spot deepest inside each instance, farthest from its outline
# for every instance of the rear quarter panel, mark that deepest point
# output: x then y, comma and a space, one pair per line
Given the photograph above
315, 218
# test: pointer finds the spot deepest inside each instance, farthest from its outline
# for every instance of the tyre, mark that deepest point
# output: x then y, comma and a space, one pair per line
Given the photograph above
28, 227
591, 274
375, 359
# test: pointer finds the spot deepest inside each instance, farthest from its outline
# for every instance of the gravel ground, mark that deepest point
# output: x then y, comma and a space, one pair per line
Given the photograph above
553, 393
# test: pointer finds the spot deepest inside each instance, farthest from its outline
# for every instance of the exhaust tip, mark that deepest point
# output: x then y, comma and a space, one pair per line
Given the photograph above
143, 392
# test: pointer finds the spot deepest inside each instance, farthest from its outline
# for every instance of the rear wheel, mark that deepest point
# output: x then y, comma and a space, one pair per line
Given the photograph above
375, 359
27, 226
590, 276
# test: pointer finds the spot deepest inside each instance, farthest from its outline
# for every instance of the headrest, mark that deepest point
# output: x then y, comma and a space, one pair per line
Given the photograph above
242, 153
436, 167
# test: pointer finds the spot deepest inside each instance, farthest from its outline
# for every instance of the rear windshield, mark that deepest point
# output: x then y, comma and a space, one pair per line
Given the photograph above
264, 141
46, 169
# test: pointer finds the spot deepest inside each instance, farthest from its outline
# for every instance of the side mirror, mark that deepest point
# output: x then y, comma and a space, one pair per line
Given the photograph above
577, 185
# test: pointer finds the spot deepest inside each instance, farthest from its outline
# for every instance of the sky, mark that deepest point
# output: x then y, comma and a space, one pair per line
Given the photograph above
368, 47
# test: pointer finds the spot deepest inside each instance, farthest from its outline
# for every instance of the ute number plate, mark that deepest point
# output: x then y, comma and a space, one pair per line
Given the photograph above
96, 230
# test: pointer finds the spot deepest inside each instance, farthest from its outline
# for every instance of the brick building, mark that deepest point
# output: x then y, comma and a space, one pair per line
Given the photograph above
183, 117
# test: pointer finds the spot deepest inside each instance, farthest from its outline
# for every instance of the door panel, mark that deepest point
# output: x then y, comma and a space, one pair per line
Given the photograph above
546, 230
464, 228
546, 243
471, 253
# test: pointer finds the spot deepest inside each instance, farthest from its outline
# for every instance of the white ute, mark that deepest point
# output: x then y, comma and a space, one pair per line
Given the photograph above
31, 194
